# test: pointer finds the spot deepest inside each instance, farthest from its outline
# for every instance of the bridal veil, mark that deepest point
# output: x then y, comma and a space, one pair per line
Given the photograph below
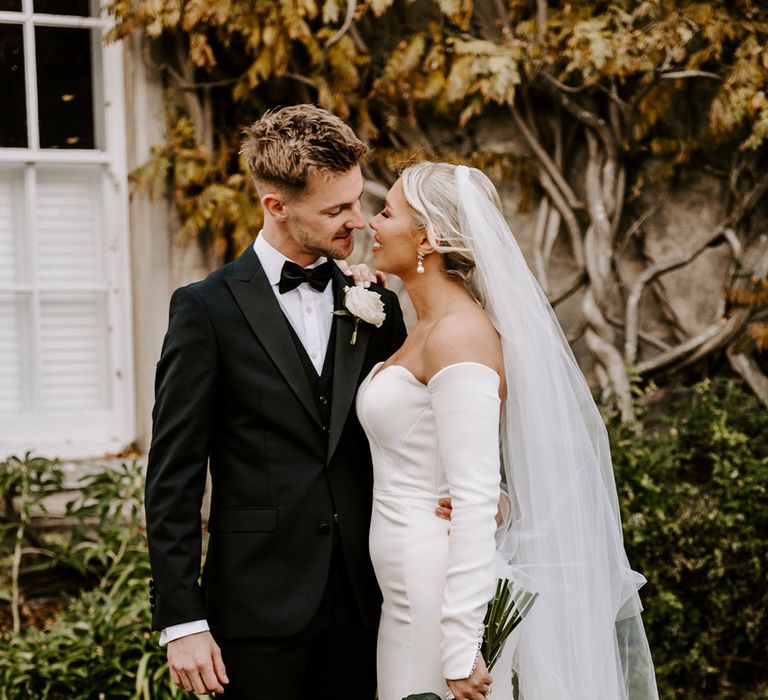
583, 638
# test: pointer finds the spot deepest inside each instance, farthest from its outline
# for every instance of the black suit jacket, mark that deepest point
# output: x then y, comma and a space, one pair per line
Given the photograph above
230, 387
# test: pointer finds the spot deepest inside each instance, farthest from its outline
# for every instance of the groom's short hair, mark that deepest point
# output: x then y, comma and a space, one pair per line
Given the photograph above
286, 145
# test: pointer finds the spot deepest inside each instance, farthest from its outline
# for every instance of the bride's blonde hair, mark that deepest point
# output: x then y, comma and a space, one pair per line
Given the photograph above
431, 192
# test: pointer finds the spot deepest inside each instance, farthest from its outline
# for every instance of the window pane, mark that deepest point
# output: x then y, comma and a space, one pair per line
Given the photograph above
13, 125
64, 87
63, 7
10, 5
68, 217
73, 352
12, 226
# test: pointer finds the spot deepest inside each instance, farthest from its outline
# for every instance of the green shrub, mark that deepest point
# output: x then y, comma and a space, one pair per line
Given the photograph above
100, 646
692, 488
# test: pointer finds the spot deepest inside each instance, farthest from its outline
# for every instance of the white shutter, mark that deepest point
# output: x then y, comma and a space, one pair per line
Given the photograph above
11, 329
11, 222
74, 355
68, 226
14, 306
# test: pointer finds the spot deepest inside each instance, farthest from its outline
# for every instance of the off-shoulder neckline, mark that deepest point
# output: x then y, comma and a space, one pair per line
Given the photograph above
378, 369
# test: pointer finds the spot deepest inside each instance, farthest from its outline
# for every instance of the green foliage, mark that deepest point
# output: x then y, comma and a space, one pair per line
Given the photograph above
693, 490
100, 646
24, 485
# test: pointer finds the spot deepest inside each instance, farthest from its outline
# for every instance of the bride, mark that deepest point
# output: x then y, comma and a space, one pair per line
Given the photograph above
486, 386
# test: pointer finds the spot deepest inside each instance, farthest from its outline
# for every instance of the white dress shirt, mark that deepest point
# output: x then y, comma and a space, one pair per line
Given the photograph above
310, 313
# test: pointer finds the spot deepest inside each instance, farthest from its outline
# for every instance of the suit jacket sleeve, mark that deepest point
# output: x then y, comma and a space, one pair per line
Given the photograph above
176, 471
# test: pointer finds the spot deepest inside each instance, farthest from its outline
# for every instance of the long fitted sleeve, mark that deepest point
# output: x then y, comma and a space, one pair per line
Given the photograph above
466, 405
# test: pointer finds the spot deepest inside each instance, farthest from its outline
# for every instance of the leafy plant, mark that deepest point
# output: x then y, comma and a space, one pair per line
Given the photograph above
100, 646
24, 485
693, 489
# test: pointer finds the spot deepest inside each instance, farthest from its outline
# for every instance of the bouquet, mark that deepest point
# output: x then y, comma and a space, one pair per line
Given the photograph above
505, 612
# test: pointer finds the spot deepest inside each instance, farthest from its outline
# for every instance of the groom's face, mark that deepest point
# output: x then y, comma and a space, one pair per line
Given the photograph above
322, 219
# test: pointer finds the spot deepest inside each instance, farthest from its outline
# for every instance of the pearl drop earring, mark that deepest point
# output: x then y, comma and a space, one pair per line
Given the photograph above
420, 263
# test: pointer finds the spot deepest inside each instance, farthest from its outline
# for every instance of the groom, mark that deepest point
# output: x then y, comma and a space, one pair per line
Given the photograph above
258, 375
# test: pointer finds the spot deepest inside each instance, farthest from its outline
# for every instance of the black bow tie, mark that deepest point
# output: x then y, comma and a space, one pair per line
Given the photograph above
293, 275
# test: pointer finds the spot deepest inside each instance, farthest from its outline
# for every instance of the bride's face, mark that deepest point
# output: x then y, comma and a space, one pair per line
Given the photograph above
396, 234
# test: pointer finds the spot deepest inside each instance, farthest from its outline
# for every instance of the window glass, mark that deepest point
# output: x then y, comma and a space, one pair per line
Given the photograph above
64, 87
63, 7
10, 5
13, 124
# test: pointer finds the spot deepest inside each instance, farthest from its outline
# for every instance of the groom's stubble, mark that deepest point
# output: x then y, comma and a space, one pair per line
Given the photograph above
319, 221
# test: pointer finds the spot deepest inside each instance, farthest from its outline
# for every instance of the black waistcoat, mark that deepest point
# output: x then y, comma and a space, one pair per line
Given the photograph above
321, 384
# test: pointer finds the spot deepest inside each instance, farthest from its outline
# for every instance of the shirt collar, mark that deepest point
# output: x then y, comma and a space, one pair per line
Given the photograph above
272, 260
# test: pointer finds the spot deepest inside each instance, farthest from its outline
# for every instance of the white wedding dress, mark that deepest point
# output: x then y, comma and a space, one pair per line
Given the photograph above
427, 442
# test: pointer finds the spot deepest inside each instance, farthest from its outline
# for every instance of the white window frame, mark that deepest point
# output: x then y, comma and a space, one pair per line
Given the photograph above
84, 433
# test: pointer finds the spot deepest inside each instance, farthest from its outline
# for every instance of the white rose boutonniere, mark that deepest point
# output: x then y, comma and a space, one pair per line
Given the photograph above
364, 305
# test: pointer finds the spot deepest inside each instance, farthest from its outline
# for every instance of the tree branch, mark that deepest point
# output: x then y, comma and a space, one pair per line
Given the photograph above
650, 273
351, 7
569, 288
539, 257
610, 358
581, 113
678, 74
750, 372
546, 162
574, 231
541, 20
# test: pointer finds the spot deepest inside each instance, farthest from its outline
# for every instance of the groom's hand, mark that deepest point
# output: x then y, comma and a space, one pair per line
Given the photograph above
444, 509
196, 664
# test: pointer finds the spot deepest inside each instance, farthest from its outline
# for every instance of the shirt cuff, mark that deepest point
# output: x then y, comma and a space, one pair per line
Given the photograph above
174, 632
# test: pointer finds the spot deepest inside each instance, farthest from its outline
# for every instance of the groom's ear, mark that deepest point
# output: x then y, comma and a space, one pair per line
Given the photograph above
273, 204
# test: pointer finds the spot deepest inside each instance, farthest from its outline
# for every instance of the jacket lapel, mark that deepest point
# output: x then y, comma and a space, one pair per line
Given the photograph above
256, 299
347, 362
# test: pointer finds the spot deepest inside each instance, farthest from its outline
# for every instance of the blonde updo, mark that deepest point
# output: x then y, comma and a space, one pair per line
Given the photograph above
431, 192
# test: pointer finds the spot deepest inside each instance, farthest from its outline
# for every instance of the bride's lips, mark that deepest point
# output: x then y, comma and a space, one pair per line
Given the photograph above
376, 244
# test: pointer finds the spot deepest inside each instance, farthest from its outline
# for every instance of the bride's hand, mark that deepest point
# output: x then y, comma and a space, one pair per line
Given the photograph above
361, 273
476, 687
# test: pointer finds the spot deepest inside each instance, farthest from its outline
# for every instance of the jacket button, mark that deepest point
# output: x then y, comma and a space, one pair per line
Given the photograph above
323, 528
322, 399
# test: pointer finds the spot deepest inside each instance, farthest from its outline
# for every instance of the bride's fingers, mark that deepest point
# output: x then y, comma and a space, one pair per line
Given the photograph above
344, 267
362, 274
